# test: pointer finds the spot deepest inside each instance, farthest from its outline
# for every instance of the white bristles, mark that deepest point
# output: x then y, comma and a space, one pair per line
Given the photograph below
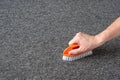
66, 58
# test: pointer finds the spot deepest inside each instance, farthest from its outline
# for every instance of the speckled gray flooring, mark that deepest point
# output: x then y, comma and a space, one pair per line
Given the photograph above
33, 34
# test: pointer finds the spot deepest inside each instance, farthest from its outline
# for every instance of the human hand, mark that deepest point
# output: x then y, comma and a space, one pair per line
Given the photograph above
85, 41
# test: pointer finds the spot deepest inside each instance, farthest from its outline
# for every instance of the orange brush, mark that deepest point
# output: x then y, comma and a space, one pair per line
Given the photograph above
72, 57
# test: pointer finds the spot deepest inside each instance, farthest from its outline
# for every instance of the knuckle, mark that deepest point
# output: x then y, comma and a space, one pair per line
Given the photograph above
69, 43
79, 33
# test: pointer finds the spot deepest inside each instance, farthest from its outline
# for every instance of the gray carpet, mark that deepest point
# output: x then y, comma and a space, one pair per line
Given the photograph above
33, 34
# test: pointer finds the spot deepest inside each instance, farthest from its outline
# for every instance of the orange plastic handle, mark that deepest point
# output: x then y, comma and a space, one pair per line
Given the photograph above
69, 48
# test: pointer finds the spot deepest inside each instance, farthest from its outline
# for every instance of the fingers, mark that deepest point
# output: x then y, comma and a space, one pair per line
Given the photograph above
72, 41
78, 50
75, 38
86, 42
75, 51
78, 38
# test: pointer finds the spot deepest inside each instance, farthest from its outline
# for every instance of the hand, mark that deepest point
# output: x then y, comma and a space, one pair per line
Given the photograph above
85, 41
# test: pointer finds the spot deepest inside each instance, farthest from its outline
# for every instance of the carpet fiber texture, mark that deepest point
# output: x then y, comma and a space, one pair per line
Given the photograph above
33, 34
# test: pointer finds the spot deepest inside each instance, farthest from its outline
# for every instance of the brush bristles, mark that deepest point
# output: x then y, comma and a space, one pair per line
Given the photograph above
66, 58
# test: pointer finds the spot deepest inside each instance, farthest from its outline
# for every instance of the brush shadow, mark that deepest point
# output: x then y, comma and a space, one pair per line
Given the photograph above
105, 52
102, 53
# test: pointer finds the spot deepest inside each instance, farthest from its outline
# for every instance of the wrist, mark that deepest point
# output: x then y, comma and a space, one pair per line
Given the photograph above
99, 39
103, 37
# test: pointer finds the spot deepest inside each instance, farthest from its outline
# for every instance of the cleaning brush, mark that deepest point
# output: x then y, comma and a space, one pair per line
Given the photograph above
72, 57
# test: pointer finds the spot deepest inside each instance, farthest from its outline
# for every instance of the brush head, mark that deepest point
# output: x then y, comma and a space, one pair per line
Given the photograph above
72, 57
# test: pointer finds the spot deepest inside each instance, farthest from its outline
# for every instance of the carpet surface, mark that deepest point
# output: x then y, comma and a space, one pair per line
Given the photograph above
33, 34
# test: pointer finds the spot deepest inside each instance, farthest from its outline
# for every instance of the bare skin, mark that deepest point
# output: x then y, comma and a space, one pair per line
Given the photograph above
89, 42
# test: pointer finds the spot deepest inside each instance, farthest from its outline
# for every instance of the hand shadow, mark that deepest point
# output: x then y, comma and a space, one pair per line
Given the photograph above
105, 52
